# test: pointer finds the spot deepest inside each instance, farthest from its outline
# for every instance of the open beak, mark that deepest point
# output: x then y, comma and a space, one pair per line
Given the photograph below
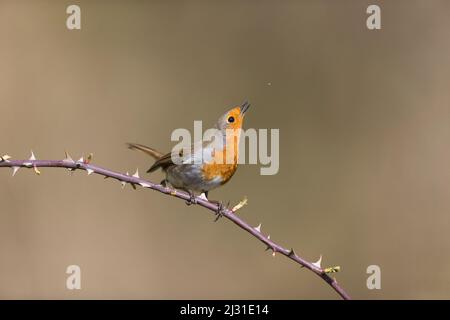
245, 107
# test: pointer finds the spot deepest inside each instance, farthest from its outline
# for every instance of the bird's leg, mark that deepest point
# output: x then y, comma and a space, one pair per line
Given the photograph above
164, 183
192, 199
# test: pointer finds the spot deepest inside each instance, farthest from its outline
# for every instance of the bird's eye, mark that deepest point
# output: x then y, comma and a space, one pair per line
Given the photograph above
230, 119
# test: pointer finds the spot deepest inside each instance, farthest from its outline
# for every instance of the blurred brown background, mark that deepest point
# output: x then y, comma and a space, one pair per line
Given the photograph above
364, 124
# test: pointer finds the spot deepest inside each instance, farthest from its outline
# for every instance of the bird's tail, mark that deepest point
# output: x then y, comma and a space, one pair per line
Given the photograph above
147, 150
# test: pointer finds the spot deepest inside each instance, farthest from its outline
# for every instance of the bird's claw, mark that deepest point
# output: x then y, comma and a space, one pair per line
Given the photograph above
192, 200
221, 208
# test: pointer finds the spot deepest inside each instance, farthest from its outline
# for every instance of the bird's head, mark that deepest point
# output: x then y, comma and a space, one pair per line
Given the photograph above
234, 118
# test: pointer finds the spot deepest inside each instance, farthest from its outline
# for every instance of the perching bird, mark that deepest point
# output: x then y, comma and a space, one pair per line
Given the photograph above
214, 169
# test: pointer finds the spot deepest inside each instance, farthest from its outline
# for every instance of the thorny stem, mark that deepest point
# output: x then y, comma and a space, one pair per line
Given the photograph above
228, 213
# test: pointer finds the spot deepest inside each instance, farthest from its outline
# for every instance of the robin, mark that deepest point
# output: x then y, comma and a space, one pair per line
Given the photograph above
215, 168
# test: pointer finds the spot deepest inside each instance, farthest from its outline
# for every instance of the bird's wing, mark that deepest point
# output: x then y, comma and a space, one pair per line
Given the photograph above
163, 162
191, 155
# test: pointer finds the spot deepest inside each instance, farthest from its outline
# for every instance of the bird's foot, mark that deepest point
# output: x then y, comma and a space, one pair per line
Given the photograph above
221, 208
192, 200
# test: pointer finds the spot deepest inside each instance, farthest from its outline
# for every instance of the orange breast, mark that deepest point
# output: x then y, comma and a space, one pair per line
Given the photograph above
218, 167
224, 171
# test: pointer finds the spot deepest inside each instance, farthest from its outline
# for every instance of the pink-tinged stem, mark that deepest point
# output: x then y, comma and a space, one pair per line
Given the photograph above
228, 213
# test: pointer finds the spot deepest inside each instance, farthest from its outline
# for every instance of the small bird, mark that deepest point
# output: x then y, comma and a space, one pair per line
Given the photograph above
214, 169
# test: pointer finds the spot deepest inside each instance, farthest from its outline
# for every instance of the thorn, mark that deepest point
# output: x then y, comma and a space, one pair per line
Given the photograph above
123, 183
242, 203
203, 196
292, 253
15, 169
105, 177
89, 158
5, 158
258, 228
318, 262
145, 185
136, 174
89, 171
68, 158
81, 159
36, 170
273, 253
133, 185
268, 246
32, 158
